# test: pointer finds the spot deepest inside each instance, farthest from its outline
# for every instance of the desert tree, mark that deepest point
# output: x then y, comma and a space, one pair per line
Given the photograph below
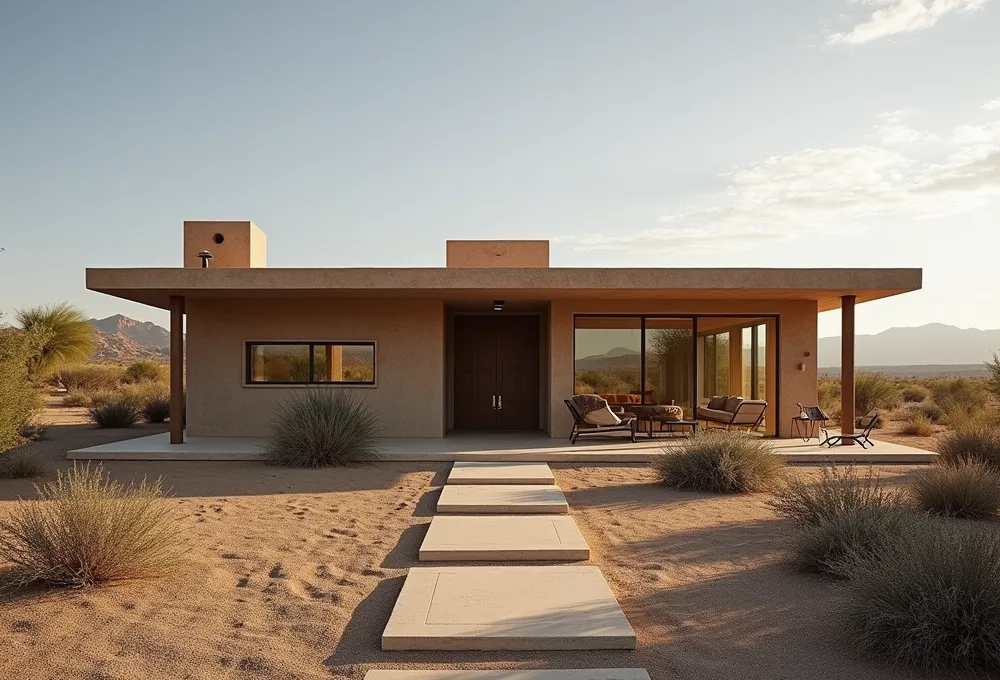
68, 336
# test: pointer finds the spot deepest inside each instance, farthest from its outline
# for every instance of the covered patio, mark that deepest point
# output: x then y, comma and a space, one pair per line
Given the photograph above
517, 446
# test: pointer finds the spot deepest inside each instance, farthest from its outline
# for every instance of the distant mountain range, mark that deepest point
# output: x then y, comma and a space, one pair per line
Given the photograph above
935, 343
121, 339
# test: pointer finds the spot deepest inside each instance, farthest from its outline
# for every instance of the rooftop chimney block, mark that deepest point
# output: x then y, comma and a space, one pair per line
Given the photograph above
233, 245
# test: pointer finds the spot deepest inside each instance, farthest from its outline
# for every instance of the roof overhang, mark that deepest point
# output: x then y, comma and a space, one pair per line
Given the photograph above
155, 286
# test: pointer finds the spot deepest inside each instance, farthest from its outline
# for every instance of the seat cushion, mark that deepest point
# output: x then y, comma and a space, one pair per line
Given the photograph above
715, 415
732, 403
602, 417
717, 403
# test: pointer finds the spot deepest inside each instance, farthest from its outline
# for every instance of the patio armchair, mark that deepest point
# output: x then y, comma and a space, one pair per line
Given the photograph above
867, 424
594, 425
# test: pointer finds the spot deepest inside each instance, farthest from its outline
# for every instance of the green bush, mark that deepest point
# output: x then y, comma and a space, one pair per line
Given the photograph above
18, 398
67, 337
140, 394
86, 530
993, 383
979, 444
323, 427
914, 394
828, 393
873, 391
918, 425
931, 411
839, 490
721, 461
20, 464
931, 599
156, 410
964, 491
34, 431
960, 398
91, 377
833, 545
147, 370
115, 414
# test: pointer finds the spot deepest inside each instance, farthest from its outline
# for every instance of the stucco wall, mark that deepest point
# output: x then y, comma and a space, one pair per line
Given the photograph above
797, 321
410, 393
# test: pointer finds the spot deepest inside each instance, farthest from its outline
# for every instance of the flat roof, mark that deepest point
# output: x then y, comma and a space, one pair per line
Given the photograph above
154, 286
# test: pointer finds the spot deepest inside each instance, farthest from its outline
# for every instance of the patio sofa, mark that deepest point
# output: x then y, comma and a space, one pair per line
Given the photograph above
731, 411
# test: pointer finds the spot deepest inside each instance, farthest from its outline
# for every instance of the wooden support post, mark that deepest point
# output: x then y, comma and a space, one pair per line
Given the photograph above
847, 415
176, 369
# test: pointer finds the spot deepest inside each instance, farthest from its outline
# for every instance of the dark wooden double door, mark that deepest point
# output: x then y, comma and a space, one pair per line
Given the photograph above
496, 372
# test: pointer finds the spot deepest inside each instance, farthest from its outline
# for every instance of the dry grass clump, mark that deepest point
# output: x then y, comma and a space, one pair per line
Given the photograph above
838, 491
147, 370
969, 491
115, 414
861, 532
914, 394
918, 425
19, 464
973, 444
960, 398
86, 530
930, 600
91, 377
873, 391
323, 427
77, 399
721, 461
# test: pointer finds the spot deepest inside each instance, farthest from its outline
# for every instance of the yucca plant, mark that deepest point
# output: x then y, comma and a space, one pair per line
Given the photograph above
68, 336
317, 428
156, 410
115, 414
722, 461
930, 599
86, 529
970, 491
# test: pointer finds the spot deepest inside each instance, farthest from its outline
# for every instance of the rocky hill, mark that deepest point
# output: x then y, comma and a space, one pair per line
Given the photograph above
931, 344
121, 340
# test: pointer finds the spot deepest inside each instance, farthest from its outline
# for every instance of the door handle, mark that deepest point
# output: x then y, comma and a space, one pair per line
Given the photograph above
494, 402
500, 402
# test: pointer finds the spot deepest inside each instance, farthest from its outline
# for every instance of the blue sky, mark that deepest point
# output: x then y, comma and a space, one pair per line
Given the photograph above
717, 133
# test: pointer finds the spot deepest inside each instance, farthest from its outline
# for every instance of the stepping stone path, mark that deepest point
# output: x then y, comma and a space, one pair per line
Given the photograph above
503, 499
501, 473
510, 512
503, 538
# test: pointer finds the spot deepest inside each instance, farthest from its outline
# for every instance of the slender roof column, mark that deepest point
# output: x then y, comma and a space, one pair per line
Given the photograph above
847, 414
176, 369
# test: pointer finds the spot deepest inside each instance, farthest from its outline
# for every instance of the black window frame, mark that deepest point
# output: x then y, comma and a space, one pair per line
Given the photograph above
311, 345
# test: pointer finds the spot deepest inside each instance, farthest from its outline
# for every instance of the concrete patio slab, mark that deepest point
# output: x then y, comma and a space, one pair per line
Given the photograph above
522, 447
511, 608
503, 538
502, 499
500, 473
588, 674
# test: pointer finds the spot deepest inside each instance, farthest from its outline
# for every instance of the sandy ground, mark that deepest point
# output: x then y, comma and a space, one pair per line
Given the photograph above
293, 574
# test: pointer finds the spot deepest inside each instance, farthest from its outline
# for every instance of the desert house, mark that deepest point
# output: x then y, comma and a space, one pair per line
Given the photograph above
495, 340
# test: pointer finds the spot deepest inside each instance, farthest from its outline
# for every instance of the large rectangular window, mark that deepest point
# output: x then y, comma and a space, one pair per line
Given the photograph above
310, 363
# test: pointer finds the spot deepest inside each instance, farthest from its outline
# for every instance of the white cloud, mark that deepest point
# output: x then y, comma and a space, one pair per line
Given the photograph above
992, 105
900, 16
894, 128
815, 191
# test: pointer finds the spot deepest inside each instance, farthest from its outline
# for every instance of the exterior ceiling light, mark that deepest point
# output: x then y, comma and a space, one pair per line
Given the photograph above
498, 305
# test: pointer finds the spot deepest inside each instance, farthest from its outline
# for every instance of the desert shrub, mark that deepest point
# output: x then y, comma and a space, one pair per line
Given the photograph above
839, 490
140, 394
959, 397
147, 370
323, 427
18, 398
914, 394
721, 461
919, 425
115, 414
979, 444
931, 411
828, 395
33, 430
86, 529
77, 399
19, 464
993, 382
91, 377
834, 544
68, 337
156, 410
102, 397
930, 601
965, 491
873, 391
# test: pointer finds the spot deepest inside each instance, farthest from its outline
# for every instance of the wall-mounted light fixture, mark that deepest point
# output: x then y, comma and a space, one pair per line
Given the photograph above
498, 305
